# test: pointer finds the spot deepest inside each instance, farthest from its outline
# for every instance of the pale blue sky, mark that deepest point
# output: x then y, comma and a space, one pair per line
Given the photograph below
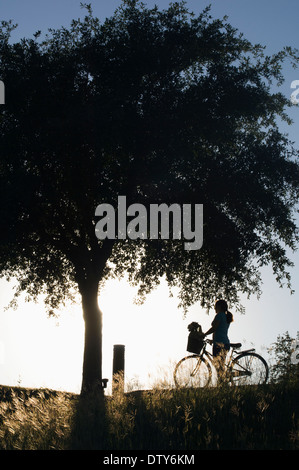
273, 23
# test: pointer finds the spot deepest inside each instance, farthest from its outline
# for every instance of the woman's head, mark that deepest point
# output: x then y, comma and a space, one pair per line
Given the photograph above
221, 306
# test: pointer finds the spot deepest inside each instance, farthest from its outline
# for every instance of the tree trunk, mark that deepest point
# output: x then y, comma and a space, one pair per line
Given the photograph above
92, 359
89, 267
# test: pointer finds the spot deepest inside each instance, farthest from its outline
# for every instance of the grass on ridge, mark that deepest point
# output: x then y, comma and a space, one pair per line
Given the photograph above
264, 417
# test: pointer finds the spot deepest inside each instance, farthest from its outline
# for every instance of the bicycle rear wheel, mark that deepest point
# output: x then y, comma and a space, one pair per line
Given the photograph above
249, 369
192, 371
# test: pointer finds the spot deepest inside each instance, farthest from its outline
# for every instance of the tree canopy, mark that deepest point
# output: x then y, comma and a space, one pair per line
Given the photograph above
159, 106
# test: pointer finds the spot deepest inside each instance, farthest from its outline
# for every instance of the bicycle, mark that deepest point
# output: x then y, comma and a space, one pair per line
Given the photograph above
240, 368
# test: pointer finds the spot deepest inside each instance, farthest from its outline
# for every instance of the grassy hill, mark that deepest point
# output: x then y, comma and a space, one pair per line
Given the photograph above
264, 417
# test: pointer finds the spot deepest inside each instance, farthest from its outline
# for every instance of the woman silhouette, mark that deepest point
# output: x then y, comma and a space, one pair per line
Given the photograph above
219, 328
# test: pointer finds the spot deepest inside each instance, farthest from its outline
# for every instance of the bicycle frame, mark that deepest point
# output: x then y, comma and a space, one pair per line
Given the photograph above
230, 356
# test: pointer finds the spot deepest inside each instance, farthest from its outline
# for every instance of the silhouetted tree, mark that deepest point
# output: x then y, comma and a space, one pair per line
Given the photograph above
159, 106
285, 367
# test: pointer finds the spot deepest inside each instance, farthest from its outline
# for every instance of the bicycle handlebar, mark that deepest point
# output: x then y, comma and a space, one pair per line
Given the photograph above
209, 341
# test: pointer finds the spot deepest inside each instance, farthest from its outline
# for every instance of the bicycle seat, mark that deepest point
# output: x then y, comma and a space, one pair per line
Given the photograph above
235, 345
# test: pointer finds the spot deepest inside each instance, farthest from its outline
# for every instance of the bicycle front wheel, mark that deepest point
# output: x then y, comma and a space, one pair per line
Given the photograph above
249, 369
192, 371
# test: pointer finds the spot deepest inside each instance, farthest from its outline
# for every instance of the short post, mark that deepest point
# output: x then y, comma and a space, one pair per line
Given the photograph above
118, 374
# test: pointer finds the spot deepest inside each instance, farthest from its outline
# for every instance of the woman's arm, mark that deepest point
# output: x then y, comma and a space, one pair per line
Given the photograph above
213, 328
